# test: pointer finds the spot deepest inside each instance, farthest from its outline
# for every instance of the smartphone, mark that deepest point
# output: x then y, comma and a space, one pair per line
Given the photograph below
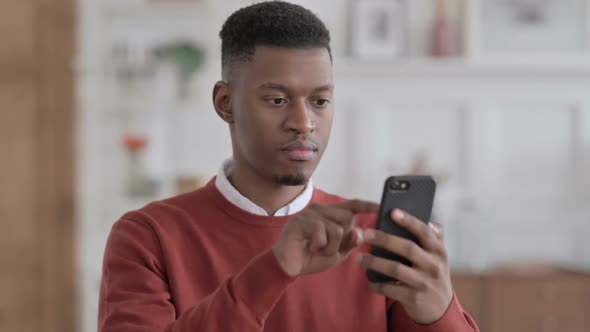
413, 194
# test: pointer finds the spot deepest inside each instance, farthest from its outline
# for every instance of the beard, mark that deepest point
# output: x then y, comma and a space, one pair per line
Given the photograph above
291, 180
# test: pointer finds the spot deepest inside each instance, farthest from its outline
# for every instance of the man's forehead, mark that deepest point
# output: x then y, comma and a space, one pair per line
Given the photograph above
273, 67
327, 87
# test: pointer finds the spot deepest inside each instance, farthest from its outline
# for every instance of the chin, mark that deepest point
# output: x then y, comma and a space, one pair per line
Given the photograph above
292, 173
291, 179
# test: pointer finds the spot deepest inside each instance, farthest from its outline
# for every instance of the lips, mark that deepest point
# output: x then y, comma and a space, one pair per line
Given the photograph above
300, 155
301, 150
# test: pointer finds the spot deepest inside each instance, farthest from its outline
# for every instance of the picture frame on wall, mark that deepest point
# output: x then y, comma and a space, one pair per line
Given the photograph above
528, 31
378, 29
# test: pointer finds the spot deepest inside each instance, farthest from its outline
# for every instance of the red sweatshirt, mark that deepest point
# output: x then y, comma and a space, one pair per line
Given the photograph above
196, 262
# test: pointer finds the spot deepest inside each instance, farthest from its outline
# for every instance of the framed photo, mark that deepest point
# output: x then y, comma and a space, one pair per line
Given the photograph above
378, 29
528, 31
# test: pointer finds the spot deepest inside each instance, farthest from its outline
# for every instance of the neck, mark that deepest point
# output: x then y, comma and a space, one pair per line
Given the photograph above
263, 192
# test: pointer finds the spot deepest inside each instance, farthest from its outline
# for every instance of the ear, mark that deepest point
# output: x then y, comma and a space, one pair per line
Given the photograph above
222, 101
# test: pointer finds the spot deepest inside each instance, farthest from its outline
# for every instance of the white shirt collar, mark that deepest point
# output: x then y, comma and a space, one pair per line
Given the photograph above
235, 197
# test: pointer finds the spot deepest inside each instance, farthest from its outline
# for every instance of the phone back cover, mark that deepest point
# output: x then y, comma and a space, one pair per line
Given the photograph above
417, 200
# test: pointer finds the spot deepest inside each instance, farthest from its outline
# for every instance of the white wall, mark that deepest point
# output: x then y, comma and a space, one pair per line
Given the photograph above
515, 141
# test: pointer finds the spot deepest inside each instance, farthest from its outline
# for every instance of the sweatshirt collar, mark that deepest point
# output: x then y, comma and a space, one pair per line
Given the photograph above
235, 197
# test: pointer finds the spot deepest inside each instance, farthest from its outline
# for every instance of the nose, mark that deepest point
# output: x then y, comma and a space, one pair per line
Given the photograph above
300, 118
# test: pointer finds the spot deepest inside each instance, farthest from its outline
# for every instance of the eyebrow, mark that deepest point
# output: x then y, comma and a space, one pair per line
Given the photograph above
276, 86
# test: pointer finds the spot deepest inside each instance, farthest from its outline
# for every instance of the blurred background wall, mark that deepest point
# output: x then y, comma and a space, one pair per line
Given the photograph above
490, 96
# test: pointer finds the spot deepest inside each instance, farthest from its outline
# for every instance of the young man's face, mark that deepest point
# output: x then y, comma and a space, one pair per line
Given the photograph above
282, 103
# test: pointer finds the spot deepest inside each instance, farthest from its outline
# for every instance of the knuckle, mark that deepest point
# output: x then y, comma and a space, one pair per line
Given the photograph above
426, 232
432, 237
393, 269
378, 239
338, 232
444, 255
319, 229
384, 241
309, 222
436, 271
334, 232
422, 285
321, 239
308, 217
411, 249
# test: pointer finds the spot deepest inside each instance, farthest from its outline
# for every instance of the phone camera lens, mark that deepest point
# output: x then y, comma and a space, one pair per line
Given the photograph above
399, 185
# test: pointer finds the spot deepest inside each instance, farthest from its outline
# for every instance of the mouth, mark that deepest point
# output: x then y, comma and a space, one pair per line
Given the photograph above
300, 155
301, 150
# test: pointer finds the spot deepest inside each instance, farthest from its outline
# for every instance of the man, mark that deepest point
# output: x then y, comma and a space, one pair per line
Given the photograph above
259, 248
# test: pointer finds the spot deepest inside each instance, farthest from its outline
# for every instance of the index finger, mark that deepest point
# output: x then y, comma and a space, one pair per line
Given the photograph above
342, 217
421, 230
358, 206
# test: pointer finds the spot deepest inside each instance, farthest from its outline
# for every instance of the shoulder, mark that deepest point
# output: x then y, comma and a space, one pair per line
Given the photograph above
172, 212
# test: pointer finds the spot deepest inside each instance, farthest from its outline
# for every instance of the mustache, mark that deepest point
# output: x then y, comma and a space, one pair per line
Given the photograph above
301, 143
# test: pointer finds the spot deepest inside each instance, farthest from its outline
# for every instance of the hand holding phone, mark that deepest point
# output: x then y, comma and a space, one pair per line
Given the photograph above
413, 194
404, 234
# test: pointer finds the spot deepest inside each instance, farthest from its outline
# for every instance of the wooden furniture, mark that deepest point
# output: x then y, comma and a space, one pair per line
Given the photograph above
36, 172
468, 288
545, 301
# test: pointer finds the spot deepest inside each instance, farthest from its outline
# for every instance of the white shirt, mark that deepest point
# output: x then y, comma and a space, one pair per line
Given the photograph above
235, 197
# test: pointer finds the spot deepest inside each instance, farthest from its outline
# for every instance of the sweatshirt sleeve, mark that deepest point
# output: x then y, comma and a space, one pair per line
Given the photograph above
135, 295
454, 319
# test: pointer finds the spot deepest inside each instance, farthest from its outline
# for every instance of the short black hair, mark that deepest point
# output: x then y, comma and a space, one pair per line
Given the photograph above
269, 23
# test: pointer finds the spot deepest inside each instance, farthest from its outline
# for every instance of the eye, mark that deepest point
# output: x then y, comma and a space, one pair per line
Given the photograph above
277, 101
322, 102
